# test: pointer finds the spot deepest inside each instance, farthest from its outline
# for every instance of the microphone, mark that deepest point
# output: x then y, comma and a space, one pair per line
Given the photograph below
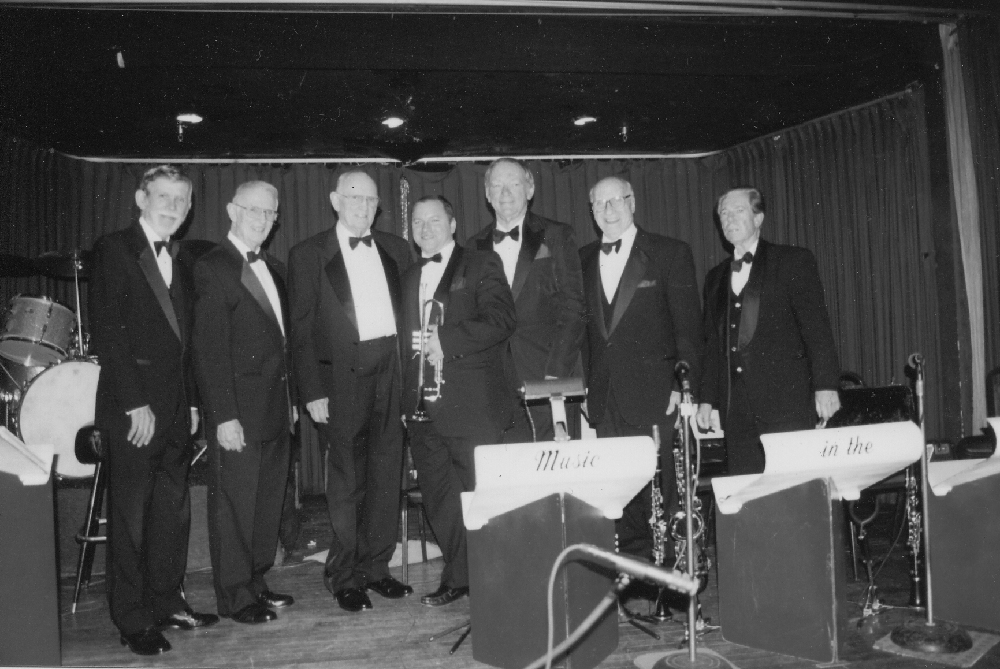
642, 570
916, 361
682, 370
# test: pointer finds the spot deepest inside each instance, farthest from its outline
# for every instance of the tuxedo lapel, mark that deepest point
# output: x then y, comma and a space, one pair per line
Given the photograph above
635, 269
444, 287
147, 263
391, 278
532, 236
592, 276
751, 296
336, 273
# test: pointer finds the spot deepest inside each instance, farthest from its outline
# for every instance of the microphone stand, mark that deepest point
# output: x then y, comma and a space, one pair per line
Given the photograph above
687, 411
928, 636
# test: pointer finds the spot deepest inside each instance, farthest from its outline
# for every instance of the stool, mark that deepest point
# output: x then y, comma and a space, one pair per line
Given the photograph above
412, 497
90, 450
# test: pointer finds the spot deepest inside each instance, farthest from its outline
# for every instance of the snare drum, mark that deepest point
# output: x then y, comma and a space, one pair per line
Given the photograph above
55, 405
37, 331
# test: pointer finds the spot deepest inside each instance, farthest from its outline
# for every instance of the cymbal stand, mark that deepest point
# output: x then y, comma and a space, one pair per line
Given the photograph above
929, 636
81, 339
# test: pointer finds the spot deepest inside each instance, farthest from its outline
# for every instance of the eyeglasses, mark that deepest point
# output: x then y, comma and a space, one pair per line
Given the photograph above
266, 214
617, 203
360, 199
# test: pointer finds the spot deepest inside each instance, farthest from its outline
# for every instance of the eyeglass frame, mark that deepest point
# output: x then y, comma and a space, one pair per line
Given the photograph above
598, 207
267, 214
356, 199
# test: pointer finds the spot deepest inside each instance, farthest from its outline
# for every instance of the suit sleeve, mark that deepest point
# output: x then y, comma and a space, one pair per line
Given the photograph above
495, 321
109, 327
304, 275
809, 307
569, 317
211, 340
685, 311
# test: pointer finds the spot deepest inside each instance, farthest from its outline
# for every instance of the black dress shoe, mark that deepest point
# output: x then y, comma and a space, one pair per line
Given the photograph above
274, 600
390, 588
187, 620
146, 642
353, 599
444, 595
253, 614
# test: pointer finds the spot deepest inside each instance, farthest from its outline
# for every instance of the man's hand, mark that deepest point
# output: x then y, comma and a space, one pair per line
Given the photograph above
675, 399
827, 404
230, 435
704, 417
195, 417
432, 350
143, 426
319, 410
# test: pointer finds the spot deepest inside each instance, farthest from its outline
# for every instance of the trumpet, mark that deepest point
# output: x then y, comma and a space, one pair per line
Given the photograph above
431, 313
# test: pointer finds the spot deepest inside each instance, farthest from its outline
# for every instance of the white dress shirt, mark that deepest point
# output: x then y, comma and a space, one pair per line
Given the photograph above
163, 259
259, 268
739, 279
431, 273
369, 287
509, 250
613, 264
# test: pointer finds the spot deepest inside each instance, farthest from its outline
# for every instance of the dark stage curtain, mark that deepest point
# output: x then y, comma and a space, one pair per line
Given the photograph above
979, 42
853, 187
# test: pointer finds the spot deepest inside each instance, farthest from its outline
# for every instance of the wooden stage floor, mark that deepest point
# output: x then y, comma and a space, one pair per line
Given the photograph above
315, 632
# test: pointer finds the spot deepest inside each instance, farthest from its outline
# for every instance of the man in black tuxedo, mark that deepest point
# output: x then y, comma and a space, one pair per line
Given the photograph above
542, 265
243, 369
770, 359
141, 302
643, 318
345, 300
469, 345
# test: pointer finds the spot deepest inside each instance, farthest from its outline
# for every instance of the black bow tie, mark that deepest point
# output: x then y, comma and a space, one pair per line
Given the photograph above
608, 247
747, 259
434, 258
366, 240
159, 246
499, 235
254, 257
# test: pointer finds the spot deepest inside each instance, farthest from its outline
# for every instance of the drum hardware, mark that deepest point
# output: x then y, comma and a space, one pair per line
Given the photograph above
431, 314
930, 636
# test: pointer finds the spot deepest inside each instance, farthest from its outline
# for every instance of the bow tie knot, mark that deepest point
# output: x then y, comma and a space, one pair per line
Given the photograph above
254, 257
500, 235
366, 240
434, 258
747, 259
160, 245
608, 247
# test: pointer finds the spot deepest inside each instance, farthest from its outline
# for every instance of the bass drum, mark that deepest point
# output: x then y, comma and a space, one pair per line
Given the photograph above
55, 405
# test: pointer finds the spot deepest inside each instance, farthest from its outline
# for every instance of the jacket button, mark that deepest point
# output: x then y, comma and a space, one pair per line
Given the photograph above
733, 349
737, 305
739, 370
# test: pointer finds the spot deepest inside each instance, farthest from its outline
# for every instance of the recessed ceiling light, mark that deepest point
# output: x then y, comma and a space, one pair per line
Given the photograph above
583, 120
189, 118
393, 122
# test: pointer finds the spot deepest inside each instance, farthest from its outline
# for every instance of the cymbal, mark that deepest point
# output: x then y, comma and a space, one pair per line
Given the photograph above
65, 265
16, 266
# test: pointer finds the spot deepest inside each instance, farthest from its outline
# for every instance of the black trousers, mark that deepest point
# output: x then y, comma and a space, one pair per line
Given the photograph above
245, 494
634, 533
364, 470
744, 451
445, 469
149, 523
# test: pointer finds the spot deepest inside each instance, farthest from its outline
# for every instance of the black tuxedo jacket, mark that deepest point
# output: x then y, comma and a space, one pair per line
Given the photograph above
324, 329
140, 333
656, 322
479, 317
785, 342
548, 297
241, 357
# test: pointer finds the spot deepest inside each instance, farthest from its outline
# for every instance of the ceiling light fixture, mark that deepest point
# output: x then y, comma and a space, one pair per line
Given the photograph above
393, 122
583, 120
183, 121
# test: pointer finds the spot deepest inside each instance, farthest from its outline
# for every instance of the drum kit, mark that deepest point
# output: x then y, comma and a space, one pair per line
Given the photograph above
48, 382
